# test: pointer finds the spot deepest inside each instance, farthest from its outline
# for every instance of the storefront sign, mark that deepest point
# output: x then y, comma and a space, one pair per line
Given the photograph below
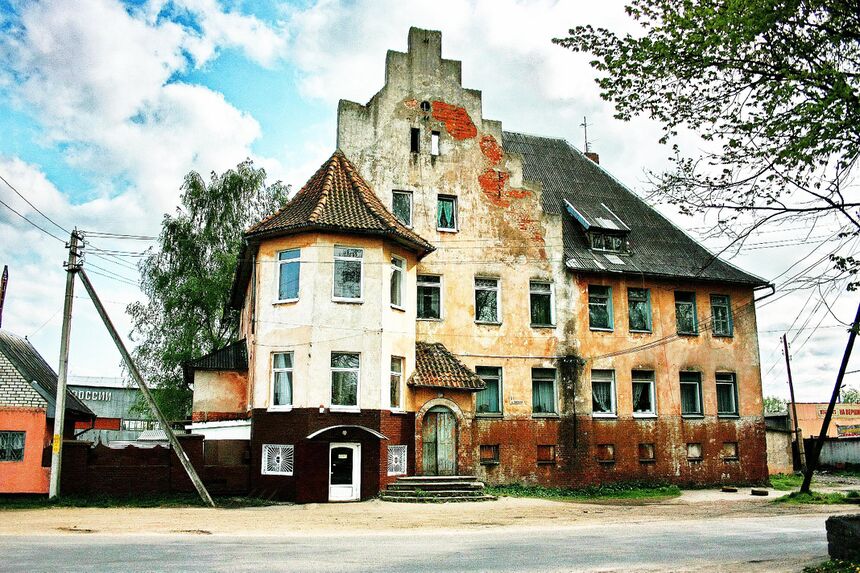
841, 411
851, 431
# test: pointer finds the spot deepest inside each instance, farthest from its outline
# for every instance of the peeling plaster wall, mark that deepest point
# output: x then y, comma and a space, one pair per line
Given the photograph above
219, 395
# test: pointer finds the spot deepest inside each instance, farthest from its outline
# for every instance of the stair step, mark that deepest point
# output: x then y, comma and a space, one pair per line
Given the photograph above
430, 486
414, 499
435, 493
437, 478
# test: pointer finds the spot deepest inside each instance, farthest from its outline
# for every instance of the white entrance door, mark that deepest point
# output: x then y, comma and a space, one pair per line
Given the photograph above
344, 472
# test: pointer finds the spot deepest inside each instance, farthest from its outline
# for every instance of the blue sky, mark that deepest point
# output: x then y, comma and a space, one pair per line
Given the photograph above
105, 105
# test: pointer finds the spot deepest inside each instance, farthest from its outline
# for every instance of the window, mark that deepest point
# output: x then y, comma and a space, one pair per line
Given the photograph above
401, 206
691, 393
288, 275
639, 309
139, 425
446, 213
434, 143
603, 392
347, 273
487, 300
606, 453
344, 380
694, 452
429, 297
646, 453
490, 454
282, 379
414, 140
727, 394
397, 460
546, 454
721, 315
607, 242
643, 393
540, 296
488, 400
395, 384
685, 313
599, 307
543, 391
730, 451
398, 270
278, 459
12, 446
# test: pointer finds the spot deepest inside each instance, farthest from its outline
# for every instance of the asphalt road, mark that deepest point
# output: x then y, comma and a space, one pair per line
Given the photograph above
725, 544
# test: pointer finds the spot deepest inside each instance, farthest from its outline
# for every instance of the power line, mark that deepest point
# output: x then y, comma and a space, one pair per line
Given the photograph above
33, 206
2, 202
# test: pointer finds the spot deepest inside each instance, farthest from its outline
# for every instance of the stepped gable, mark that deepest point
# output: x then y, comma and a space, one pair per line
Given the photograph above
658, 248
436, 367
337, 198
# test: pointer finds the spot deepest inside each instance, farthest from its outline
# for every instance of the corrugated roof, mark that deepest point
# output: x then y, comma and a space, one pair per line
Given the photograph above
337, 198
234, 356
37, 372
656, 246
436, 367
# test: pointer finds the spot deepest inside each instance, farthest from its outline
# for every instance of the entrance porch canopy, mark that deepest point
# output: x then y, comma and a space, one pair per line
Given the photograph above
371, 431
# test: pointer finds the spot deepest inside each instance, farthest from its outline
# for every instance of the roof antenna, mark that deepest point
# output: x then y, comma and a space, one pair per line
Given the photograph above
584, 126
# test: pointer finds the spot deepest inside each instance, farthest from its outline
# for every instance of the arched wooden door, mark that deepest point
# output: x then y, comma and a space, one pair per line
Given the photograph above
439, 436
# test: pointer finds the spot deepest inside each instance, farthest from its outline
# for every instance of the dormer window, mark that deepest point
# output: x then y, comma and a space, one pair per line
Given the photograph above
602, 241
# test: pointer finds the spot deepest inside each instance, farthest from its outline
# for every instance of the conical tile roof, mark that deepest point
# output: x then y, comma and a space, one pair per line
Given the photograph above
336, 198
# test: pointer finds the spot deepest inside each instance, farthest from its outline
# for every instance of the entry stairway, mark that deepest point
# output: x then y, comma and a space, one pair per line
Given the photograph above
435, 489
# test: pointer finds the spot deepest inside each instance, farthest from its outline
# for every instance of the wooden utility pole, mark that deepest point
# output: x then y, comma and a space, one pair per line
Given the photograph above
147, 394
4, 280
72, 268
797, 435
812, 462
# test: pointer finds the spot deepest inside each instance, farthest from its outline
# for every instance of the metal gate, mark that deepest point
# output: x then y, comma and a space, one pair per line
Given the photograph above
439, 436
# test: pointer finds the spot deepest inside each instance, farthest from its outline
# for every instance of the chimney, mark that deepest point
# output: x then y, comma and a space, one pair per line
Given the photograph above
593, 156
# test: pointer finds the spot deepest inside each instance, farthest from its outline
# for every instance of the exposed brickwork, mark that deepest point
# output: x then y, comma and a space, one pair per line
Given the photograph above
15, 390
309, 482
219, 416
491, 149
456, 119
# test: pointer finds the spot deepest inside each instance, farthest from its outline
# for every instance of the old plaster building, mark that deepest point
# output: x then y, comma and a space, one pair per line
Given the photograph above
445, 297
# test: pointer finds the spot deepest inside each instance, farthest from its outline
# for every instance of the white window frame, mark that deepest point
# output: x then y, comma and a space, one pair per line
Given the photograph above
411, 205
699, 396
419, 284
435, 140
391, 373
360, 260
283, 407
456, 226
498, 291
338, 407
285, 448
404, 453
551, 302
612, 394
554, 413
281, 263
652, 389
609, 308
402, 271
500, 378
734, 385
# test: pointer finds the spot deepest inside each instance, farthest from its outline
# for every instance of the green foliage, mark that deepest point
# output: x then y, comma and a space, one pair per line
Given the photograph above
773, 89
849, 395
813, 497
165, 500
775, 404
631, 490
834, 566
786, 482
187, 278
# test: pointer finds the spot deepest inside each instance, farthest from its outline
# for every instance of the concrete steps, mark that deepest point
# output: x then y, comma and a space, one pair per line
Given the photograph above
435, 489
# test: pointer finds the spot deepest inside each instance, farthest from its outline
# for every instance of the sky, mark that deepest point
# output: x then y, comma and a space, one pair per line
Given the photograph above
105, 105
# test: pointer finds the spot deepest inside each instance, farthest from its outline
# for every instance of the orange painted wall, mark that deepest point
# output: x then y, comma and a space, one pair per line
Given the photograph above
28, 475
811, 415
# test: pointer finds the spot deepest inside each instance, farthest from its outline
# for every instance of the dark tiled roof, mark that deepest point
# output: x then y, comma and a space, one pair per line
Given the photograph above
436, 367
232, 357
657, 247
337, 198
37, 372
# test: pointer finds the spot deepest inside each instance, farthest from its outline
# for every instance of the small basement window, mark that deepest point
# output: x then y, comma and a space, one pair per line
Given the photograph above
546, 454
730, 451
646, 453
489, 454
414, 140
694, 452
606, 453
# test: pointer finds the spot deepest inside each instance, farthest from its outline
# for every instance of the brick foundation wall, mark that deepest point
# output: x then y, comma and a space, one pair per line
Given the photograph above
309, 482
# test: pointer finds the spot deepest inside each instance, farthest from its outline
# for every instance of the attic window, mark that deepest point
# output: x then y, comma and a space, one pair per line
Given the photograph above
602, 241
414, 140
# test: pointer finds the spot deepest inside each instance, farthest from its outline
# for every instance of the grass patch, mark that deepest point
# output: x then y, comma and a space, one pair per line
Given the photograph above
834, 566
786, 482
168, 501
813, 497
602, 492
